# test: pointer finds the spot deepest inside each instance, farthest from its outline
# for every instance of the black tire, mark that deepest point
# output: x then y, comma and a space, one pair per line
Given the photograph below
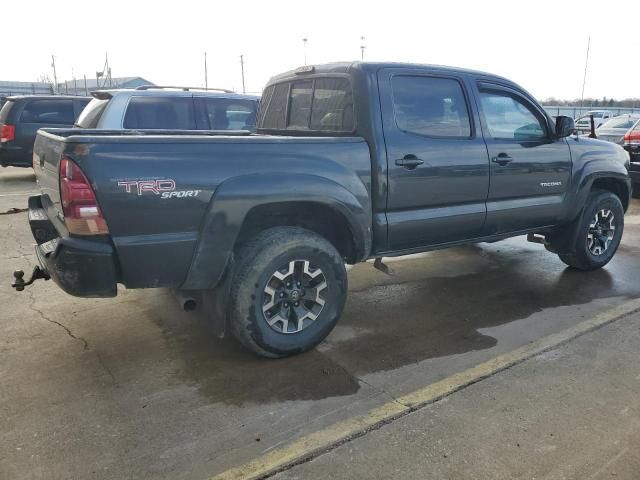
256, 265
582, 255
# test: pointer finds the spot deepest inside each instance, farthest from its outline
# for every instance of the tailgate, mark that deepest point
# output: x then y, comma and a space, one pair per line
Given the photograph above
47, 151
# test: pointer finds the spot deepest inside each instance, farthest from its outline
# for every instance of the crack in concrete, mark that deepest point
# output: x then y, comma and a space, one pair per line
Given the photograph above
105, 368
32, 307
13, 211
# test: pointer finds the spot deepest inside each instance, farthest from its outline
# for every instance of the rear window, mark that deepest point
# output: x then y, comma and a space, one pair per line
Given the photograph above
54, 112
230, 114
91, 114
321, 104
160, 113
4, 112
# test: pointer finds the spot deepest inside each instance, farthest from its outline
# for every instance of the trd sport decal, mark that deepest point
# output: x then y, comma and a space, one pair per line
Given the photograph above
166, 188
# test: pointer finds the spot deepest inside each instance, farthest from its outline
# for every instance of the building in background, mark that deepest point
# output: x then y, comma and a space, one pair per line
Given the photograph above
79, 87
8, 88
69, 87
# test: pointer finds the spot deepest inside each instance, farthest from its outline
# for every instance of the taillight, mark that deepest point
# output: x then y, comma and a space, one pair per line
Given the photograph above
7, 133
632, 137
82, 214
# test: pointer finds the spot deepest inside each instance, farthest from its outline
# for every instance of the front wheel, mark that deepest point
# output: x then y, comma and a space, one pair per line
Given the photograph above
287, 292
598, 232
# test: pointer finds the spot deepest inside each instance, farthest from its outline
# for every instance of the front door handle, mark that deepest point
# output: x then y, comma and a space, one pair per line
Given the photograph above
409, 162
502, 159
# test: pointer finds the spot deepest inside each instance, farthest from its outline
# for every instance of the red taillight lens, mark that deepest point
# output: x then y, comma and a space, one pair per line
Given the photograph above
7, 133
82, 214
632, 137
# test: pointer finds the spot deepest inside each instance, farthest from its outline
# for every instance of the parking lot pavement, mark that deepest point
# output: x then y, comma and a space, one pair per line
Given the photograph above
570, 413
132, 387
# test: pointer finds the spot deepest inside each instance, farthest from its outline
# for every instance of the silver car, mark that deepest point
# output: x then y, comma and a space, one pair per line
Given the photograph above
615, 129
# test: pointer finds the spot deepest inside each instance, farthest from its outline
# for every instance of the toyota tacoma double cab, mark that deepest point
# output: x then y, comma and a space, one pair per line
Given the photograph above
351, 161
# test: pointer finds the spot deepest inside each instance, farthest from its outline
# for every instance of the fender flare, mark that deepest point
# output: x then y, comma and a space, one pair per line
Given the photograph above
234, 199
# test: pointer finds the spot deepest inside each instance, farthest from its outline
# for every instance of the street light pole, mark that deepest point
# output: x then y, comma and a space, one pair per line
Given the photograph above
206, 79
244, 90
304, 46
55, 75
362, 47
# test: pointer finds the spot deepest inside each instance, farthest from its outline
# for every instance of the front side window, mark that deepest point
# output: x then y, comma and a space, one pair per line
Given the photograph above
163, 113
509, 118
54, 112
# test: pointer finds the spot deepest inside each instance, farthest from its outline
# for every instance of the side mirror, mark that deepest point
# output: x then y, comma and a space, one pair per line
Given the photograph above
565, 126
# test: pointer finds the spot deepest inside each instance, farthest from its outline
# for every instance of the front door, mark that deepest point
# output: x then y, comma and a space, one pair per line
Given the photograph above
438, 168
530, 167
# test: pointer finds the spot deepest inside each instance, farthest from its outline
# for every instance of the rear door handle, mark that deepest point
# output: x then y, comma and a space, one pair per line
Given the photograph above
502, 159
409, 162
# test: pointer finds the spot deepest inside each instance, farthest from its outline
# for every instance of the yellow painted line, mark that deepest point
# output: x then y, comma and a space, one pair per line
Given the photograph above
326, 438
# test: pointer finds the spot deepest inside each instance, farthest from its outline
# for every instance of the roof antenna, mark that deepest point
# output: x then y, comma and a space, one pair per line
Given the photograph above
584, 79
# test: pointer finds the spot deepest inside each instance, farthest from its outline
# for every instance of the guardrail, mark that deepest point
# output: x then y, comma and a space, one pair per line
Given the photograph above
575, 112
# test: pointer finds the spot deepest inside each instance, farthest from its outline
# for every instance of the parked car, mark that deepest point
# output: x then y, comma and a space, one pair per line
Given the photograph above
352, 161
615, 129
632, 145
22, 116
583, 123
170, 108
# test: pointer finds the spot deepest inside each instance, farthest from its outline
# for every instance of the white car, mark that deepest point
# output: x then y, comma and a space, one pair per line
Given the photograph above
616, 128
583, 123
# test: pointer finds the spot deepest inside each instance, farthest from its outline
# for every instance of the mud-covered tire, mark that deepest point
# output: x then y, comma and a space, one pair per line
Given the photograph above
258, 266
581, 256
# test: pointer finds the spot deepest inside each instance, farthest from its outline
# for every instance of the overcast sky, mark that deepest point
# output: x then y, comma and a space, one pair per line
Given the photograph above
540, 44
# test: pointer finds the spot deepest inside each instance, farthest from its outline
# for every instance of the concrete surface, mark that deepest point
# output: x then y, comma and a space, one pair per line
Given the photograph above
570, 413
132, 387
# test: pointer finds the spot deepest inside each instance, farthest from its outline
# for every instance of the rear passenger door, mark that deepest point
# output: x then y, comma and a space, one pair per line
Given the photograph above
530, 167
438, 169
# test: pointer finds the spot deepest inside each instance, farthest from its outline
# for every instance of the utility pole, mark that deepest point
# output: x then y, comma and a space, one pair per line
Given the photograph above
206, 73
244, 90
86, 90
304, 46
55, 75
584, 79
362, 47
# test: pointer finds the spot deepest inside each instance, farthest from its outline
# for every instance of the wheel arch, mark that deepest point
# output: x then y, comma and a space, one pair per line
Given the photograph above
242, 206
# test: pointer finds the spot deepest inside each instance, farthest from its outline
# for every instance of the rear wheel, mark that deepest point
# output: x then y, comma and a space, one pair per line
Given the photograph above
287, 291
598, 232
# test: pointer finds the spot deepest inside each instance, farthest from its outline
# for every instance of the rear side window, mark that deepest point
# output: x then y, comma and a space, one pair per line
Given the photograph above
273, 116
230, 114
163, 113
54, 112
430, 106
321, 105
4, 112
91, 114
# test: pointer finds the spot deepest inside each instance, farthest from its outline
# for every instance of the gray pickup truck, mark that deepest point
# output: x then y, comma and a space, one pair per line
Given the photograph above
352, 161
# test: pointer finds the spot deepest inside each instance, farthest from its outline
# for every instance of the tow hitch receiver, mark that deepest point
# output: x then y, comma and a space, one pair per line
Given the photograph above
37, 273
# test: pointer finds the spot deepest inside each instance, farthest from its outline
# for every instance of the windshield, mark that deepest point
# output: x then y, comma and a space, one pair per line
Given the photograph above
621, 122
596, 114
91, 114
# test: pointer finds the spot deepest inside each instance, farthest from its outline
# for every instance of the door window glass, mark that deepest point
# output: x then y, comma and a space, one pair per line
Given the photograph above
231, 114
160, 113
430, 106
509, 118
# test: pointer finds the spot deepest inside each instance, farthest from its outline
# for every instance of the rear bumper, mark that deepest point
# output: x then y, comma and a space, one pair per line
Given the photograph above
14, 156
83, 268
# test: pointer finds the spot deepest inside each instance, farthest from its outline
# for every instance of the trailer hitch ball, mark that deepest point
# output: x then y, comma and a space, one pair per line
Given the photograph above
19, 282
